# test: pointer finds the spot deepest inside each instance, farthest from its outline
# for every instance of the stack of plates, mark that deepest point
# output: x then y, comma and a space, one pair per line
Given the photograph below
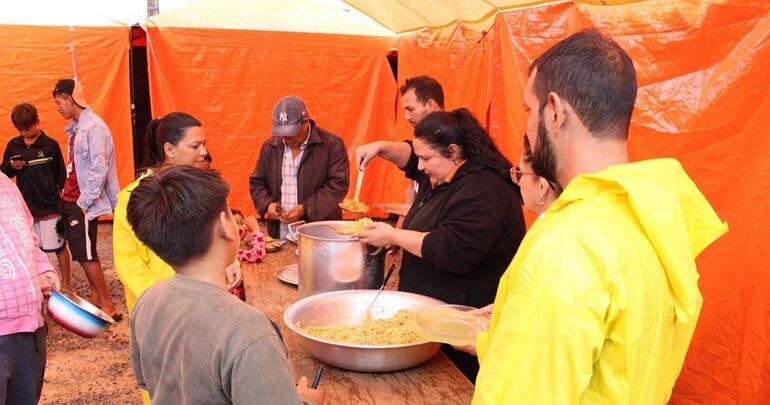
289, 274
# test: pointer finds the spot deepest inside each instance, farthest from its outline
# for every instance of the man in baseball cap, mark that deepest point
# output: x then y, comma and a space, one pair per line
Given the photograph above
302, 170
288, 115
74, 89
90, 188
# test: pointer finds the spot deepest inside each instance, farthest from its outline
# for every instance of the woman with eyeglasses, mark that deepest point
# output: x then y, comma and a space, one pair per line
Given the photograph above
537, 193
465, 223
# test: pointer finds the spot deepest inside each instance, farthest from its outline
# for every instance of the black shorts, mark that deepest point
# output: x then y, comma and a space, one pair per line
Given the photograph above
79, 233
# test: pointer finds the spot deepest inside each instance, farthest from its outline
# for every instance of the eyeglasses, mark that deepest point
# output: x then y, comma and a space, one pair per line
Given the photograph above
517, 174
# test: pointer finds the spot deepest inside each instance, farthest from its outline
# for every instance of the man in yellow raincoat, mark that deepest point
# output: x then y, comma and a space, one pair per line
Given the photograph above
601, 301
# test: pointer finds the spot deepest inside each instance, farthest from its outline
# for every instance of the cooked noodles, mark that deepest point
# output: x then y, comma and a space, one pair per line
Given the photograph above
390, 331
353, 227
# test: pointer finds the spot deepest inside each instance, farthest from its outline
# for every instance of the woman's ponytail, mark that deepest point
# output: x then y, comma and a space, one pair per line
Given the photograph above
153, 154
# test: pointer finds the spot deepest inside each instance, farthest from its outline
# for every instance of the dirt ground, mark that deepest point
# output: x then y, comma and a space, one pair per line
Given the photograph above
91, 371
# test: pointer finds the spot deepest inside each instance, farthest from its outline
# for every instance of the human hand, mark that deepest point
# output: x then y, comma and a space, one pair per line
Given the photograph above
17, 164
485, 312
47, 282
377, 234
233, 274
365, 153
274, 211
252, 223
294, 214
309, 395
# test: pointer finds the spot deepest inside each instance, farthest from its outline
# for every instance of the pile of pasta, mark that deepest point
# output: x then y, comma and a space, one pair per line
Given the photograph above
390, 331
354, 206
353, 227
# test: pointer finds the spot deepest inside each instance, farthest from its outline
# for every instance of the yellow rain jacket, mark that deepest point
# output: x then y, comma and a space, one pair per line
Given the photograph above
601, 301
137, 267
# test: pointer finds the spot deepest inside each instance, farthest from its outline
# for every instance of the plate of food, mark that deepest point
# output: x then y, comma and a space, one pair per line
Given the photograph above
273, 245
289, 274
351, 228
354, 206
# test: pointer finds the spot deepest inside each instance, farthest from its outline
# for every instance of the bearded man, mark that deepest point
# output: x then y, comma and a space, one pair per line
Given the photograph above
601, 300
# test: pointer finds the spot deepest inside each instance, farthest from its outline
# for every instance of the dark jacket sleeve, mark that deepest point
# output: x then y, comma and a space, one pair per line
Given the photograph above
325, 201
59, 171
470, 226
5, 167
258, 183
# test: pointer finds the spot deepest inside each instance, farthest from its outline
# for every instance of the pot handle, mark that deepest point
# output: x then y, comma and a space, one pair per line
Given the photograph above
389, 250
292, 230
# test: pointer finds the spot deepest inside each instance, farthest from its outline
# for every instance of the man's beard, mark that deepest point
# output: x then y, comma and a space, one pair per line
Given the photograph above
544, 155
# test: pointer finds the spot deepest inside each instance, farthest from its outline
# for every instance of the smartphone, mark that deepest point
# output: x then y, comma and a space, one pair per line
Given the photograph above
16, 157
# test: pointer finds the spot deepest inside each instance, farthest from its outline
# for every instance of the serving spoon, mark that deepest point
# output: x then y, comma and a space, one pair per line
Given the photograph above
382, 287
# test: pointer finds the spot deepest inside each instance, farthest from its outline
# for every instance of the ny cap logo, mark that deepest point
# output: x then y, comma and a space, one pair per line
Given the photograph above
283, 117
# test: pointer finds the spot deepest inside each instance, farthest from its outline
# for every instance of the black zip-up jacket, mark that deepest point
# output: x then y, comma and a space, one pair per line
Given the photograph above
474, 226
42, 177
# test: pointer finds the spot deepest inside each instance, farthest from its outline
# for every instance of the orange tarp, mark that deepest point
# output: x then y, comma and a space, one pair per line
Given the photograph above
231, 79
33, 58
703, 77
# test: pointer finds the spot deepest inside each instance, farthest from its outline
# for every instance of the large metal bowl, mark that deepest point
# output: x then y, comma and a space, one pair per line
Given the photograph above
77, 315
348, 308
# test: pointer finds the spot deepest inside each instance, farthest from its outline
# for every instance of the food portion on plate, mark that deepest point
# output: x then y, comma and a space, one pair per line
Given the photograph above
273, 245
354, 206
351, 228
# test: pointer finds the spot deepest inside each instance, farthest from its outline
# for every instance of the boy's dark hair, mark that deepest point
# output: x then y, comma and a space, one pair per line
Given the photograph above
24, 115
174, 210
236, 212
425, 88
595, 76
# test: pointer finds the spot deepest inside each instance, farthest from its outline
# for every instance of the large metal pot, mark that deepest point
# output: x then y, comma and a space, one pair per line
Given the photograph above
349, 308
329, 261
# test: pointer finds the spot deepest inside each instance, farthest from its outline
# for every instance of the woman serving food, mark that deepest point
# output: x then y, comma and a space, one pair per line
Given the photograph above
465, 223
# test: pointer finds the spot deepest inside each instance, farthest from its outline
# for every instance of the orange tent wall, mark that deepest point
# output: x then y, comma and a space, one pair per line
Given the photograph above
703, 77
231, 79
32, 59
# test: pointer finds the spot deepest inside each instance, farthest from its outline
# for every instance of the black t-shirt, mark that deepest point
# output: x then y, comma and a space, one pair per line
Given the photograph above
475, 225
42, 177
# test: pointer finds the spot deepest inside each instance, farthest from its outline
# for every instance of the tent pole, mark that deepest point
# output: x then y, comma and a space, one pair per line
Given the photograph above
152, 8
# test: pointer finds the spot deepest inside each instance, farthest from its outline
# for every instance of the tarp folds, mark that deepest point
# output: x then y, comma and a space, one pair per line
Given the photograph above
702, 69
39, 56
231, 79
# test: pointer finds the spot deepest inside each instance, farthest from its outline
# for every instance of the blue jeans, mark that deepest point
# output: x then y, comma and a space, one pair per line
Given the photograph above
22, 364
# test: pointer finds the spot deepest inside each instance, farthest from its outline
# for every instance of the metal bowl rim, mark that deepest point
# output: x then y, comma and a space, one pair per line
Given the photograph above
344, 238
68, 296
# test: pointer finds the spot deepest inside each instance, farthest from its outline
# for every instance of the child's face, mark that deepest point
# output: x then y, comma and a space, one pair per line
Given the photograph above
238, 219
241, 222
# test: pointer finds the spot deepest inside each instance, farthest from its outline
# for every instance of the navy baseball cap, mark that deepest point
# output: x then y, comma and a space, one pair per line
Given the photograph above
288, 114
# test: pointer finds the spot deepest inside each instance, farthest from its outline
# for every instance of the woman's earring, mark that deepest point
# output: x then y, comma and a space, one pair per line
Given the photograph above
541, 197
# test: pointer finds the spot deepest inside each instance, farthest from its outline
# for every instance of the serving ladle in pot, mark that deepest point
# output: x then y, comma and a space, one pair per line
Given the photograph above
356, 194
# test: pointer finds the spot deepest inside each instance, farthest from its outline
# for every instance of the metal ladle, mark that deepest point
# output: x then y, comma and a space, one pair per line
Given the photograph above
382, 287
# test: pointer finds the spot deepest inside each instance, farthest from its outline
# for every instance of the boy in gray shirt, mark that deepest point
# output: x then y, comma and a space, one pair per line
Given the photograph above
191, 341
